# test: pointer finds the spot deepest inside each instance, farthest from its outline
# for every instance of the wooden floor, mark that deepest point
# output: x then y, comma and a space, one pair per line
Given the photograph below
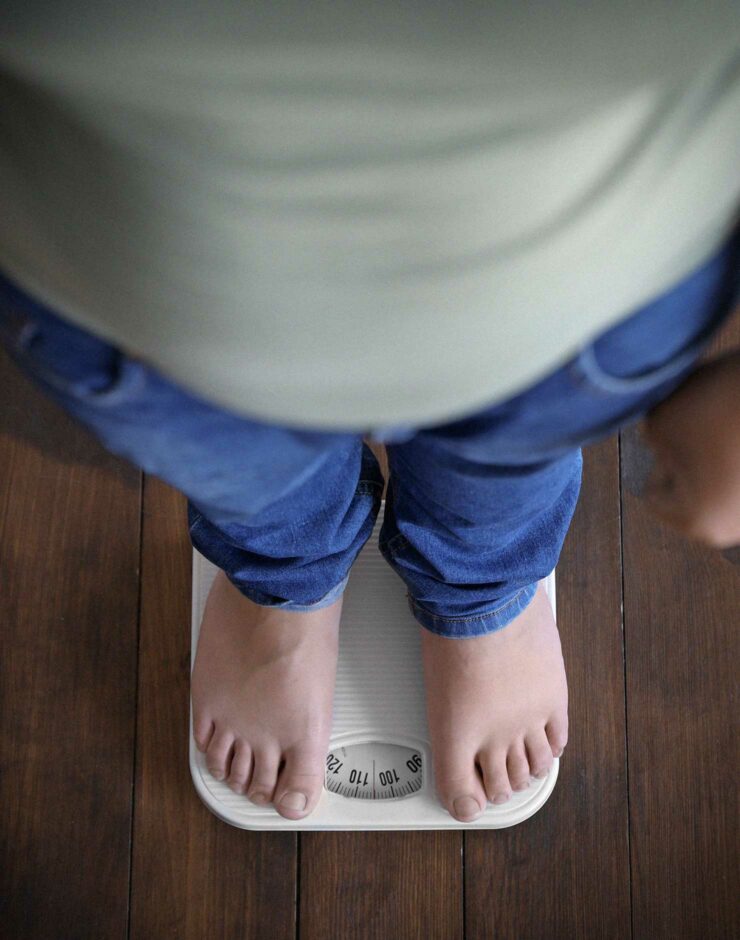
103, 836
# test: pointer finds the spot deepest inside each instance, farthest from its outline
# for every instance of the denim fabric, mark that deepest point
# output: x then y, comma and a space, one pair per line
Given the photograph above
476, 510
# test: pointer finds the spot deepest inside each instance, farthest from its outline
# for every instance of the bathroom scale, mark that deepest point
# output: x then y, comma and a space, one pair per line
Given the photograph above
379, 772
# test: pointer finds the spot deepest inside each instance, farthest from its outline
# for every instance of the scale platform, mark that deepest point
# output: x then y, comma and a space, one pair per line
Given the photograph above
379, 772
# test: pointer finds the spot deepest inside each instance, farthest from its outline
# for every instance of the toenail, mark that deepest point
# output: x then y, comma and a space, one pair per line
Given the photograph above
521, 786
466, 806
258, 797
541, 775
217, 775
294, 801
501, 798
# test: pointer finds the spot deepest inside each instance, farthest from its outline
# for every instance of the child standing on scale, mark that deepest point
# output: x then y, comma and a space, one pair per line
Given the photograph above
235, 244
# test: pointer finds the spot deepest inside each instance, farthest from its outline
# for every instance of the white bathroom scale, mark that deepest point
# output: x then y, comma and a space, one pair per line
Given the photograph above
379, 772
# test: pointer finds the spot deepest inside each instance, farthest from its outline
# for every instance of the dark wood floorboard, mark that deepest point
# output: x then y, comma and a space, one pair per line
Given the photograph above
194, 877
377, 885
682, 613
564, 873
69, 559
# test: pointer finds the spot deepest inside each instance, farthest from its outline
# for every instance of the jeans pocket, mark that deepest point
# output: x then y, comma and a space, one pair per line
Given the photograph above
602, 402
659, 345
63, 358
586, 370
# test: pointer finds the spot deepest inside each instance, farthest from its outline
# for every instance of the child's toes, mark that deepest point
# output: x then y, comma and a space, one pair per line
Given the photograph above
539, 753
495, 777
241, 766
203, 729
300, 784
458, 784
218, 755
264, 775
557, 734
518, 766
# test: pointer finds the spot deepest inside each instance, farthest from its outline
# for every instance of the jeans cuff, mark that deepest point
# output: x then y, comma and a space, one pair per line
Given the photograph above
325, 601
460, 628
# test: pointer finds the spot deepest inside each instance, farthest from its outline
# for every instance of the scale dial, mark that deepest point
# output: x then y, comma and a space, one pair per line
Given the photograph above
374, 770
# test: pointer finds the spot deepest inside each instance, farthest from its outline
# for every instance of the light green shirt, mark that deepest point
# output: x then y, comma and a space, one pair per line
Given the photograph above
347, 215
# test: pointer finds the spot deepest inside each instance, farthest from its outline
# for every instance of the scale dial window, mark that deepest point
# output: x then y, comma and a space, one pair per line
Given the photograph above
374, 771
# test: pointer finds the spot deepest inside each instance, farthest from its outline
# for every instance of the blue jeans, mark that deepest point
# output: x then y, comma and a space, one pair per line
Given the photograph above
476, 510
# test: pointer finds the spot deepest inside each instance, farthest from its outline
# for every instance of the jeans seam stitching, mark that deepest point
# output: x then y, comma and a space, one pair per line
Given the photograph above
390, 545
491, 613
367, 487
612, 385
255, 592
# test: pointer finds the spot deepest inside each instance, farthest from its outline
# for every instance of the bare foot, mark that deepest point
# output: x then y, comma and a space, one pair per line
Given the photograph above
499, 701
262, 688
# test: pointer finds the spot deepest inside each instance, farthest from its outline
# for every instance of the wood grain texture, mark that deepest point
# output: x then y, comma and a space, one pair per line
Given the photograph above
69, 559
682, 612
193, 875
564, 873
378, 885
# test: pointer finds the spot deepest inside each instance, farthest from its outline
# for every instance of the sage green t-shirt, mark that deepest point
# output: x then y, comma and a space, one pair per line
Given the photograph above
346, 215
